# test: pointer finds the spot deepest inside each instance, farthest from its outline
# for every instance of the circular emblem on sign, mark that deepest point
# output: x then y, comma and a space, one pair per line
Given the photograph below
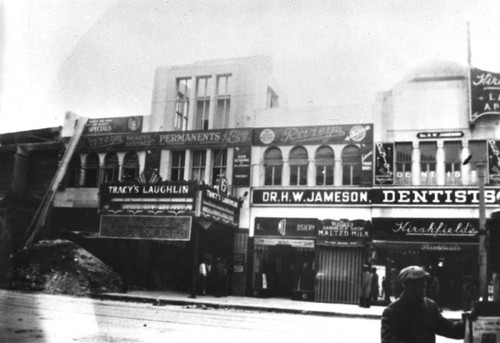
357, 133
133, 123
267, 136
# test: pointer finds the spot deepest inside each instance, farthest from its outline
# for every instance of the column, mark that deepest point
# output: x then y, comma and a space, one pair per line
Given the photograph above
440, 164
83, 164
121, 156
415, 165
286, 171
187, 164
311, 172
229, 169
141, 155
165, 163
100, 177
208, 167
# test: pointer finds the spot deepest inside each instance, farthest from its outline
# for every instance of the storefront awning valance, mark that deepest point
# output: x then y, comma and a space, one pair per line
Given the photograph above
425, 246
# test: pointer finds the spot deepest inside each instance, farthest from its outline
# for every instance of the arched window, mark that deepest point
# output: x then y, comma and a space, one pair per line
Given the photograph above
298, 166
110, 173
130, 166
73, 173
273, 167
351, 165
325, 160
91, 170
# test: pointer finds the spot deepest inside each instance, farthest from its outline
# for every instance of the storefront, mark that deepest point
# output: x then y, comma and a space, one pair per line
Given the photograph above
176, 226
283, 260
340, 255
446, 247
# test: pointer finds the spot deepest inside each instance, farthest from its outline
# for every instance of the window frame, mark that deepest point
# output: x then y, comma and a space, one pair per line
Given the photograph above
202, 117
178, 167
325, 168
298, 166
273, 167
353, 177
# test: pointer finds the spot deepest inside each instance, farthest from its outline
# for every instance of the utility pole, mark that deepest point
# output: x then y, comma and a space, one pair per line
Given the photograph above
483, 252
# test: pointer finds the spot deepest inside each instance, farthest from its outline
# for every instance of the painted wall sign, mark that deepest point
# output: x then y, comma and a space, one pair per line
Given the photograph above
99, 126
384, 163
157, 140
241, 166
170, 228
286, 227
485, 93
366, 197
343, 231
311, 196
432, 196
161, 196
494, 161
434, 135
426, 229
359, 133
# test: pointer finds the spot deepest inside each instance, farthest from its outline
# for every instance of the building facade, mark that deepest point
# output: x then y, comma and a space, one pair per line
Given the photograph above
295, 201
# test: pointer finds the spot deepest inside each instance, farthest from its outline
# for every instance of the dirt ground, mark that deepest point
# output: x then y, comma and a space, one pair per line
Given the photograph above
61, 267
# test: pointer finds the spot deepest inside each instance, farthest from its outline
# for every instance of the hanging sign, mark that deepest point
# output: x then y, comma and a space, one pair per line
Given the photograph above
384, 163
241, 166
494, 161
99, 126
485, 93
286, 227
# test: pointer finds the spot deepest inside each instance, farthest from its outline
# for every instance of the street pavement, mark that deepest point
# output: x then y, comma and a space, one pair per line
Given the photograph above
280, 305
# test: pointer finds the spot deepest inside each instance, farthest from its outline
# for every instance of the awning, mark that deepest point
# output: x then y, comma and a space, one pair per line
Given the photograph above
296, 243
425, 246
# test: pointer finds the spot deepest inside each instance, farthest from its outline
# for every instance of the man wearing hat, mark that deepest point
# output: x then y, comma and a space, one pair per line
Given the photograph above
413, 318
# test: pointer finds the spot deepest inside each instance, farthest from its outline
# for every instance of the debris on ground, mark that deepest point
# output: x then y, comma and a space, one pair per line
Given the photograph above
61, 267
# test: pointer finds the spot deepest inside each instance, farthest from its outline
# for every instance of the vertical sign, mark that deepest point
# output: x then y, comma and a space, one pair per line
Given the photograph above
241, 166
494, 161
384, 163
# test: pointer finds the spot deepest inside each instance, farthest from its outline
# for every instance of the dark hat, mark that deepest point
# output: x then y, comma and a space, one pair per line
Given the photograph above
412, 273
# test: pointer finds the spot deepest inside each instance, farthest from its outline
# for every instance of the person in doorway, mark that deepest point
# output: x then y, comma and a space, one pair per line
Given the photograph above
365, 290
374, 285
219, 277
413, 318
202, 278
386, 290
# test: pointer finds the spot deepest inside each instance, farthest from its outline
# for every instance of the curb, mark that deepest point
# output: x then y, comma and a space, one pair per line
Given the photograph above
163, 302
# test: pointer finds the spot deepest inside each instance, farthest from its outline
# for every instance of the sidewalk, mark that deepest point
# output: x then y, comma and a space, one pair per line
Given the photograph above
255, 304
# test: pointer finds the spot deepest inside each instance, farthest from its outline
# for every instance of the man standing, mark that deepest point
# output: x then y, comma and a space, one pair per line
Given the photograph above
365, 289
413, 318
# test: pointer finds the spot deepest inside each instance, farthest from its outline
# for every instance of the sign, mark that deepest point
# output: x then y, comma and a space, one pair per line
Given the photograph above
434, 135
485, 93
170, 228
384, 163
286, 227
359, 133
241, 166
340, 232
426, 229
218, 206
494, 161
161, 196
99, 126
296, 243
484, 330
432, 196
375, 197
158, 140
311, 196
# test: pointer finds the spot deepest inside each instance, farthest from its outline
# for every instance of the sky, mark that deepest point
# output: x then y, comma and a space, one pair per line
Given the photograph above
97, 58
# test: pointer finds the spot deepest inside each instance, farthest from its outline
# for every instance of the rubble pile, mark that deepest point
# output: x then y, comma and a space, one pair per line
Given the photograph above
61, 267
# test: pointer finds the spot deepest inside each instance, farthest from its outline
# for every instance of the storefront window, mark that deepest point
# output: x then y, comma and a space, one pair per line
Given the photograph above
453, 162
351, 165
298, 166
91, 170
273, 166
428, 163
325, 161
403, 163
